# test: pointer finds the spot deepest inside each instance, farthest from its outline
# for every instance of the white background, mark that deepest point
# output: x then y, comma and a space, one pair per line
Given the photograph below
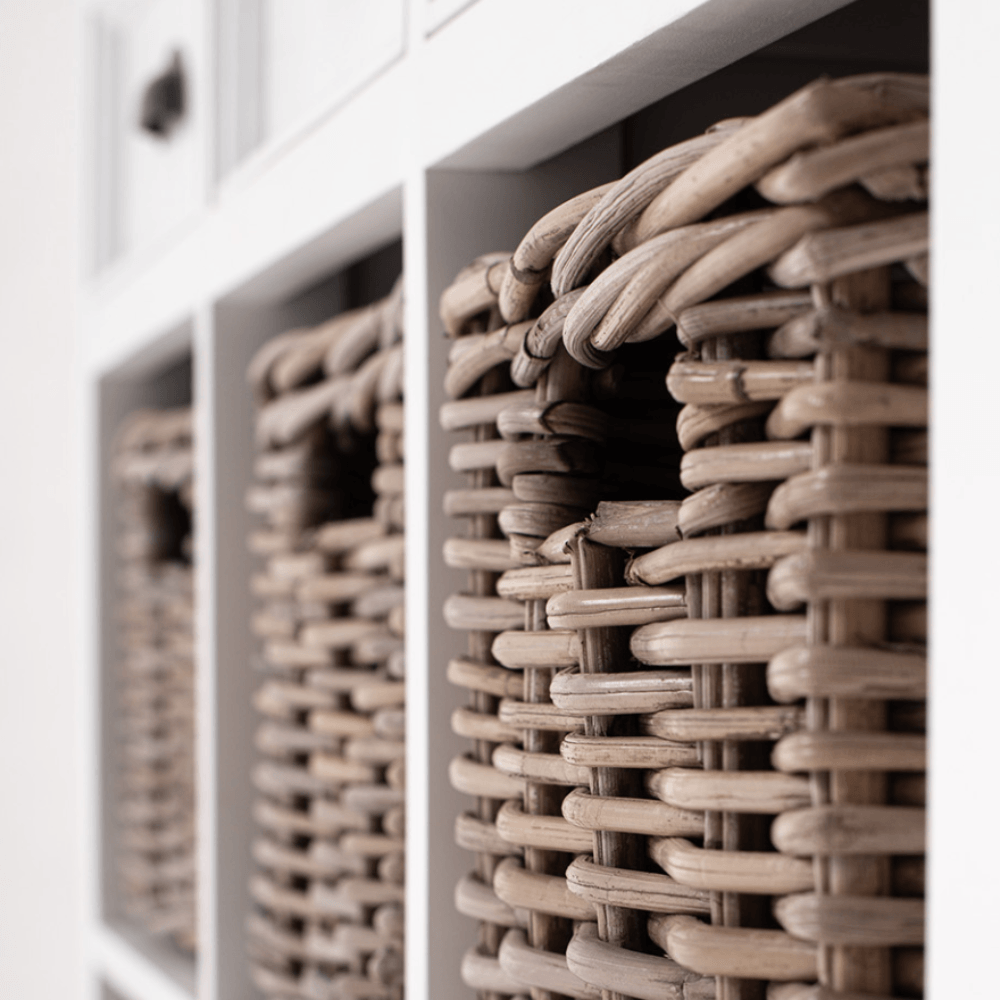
40, 863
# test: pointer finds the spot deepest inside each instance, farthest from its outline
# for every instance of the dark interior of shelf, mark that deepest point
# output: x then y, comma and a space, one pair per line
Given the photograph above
863, 37
359, 284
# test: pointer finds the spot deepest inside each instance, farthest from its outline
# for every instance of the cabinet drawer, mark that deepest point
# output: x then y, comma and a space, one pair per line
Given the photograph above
149, 151
283, 63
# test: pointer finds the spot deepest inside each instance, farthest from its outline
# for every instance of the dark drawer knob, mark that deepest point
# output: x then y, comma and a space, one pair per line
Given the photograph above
164, 100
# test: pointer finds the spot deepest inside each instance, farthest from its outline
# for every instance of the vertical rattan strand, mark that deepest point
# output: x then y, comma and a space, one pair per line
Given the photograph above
547, 932
850, 623
708, 694
605, 650
563, 380
740, 684
482, 583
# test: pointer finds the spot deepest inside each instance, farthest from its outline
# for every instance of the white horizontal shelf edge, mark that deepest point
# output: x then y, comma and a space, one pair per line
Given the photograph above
446, 103
281, 214
568, 69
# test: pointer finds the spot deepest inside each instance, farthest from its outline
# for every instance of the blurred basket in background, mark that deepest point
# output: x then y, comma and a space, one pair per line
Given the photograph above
329, 488
154, 711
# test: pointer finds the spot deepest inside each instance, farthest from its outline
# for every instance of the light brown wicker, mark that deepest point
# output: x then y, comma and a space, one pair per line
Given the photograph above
329, 889
155, 856
534, 462
738, 702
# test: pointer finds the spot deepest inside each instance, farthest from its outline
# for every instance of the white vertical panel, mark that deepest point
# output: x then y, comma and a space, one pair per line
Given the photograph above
205, 401
226, 717
965, 487
236, 45
40, 507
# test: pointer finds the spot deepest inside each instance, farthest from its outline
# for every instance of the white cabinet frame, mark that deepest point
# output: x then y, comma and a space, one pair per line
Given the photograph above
428, 150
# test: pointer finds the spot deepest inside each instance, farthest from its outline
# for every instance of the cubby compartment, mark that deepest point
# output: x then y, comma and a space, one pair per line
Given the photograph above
350, 267
461, 213
147, 704
469, 213
329, 588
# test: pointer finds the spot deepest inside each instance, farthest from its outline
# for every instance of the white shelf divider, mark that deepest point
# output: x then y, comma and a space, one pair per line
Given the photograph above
207, 661
228, 337
963, 879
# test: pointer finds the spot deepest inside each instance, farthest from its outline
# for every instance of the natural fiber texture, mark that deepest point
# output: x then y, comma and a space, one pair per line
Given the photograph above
538, 460
329, 887
154, 711
737, 709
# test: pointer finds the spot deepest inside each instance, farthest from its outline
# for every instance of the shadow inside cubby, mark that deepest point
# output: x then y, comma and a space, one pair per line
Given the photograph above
866, 36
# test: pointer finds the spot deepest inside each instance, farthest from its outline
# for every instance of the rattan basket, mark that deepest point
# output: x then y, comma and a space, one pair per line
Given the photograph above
154, 718
329, 889
698, 767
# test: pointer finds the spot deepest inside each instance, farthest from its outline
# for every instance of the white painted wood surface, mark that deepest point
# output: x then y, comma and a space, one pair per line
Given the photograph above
151, 184
965, 484
317, 52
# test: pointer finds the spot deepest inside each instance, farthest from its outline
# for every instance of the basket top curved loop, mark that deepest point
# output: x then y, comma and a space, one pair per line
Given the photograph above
155, 448
476, 288
806, 152
360, 354
148, 429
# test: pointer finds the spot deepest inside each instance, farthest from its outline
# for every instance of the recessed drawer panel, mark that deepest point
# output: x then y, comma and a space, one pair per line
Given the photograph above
149, 146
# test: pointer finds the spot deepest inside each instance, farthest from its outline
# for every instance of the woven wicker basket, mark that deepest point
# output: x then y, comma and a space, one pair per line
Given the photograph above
329, 890
699, 749
153, 467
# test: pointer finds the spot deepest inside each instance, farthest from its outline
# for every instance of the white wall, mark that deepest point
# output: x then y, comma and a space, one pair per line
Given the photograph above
39, 518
